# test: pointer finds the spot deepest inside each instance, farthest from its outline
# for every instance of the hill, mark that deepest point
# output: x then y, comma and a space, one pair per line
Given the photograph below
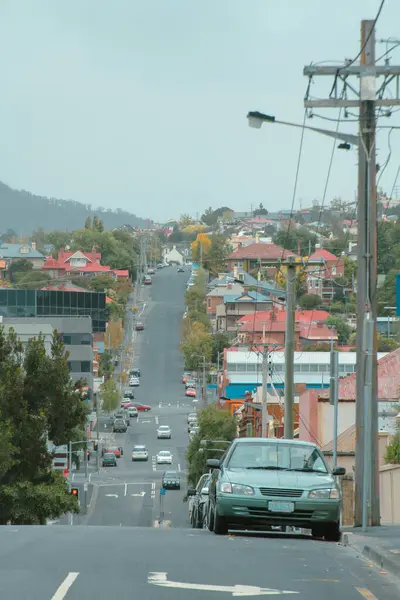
23, 212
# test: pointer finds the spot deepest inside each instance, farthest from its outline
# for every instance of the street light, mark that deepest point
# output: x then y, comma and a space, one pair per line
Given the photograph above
256, 119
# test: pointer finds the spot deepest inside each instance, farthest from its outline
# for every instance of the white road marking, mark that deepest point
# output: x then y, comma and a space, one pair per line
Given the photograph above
140, 495
126, 489
156, 419
160, 405
179, 467
153, 490
111, 495
177, 404
161, 579
145, 421
64, 587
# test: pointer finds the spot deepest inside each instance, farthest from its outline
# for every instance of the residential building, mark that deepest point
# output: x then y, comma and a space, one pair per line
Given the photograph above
80, 264
216, 296
10, 253
77, 336
44, 303
249, 283
259, 257
173, 256
269, 327
322, 269
234, 306
242, 370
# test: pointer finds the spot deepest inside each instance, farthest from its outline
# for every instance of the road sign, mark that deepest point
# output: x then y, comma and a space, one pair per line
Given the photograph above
161, 579
163, 491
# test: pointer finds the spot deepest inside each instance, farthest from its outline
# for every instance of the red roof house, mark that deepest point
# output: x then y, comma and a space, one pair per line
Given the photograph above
80, 263
323, 268
258, 256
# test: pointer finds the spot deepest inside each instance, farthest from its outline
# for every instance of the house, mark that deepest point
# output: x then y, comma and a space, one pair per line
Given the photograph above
234, 306
173, 256
216, 296
258, 256
322, 269
81, 264
10, 253
269, 327
249, 283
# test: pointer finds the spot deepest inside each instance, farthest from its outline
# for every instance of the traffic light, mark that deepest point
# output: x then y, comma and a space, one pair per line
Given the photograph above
75, 492
95, 446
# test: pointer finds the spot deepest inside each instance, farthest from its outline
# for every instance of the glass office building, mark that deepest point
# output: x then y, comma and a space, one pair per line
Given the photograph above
45, 303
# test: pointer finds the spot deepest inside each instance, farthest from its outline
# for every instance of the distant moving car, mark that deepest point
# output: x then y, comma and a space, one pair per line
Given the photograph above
134, 382
185, 377
190, 383
192, 417
120, 426
180, 270
135, 372
140, 453
164, 457
126, 403
171, 480
160, 266
128, 394
147, 281
198, 497
139, 327
109, 460
133, 412
142, 407
151, 271
260, 483
164, 432
190, 392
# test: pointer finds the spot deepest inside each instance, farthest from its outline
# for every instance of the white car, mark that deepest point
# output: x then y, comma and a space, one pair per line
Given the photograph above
164, 457
133, 412
164, 432
140, 453
134, 382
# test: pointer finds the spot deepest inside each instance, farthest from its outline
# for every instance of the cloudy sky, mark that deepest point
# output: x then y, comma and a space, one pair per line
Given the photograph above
142, 104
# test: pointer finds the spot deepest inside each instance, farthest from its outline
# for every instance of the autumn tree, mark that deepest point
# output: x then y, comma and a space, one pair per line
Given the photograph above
109, 395
196, 346
38, 402
200, 247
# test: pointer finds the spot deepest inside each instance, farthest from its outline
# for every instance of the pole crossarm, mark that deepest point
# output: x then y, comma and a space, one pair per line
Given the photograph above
367, 75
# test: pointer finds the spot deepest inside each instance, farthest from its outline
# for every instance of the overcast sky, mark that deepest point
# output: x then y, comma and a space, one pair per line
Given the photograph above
142, 104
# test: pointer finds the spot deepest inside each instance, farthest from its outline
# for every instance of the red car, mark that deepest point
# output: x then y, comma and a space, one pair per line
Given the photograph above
127, 404
144, 407
139, 327
191, 393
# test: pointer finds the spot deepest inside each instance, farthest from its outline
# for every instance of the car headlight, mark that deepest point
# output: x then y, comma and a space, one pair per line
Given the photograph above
327, 493
236, 488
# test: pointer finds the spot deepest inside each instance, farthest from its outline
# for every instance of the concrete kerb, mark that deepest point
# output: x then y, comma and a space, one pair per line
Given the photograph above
380, 557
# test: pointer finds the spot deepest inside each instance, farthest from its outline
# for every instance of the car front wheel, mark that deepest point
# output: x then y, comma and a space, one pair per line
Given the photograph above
210, 520
332, 532
220, 524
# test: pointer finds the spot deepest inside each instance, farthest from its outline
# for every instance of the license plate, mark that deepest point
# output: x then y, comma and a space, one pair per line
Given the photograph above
283, 507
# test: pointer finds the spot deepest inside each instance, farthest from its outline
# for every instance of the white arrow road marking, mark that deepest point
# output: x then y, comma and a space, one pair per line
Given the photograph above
161, 579
64, 587
126, 489
141, 494
145, 421
111, 495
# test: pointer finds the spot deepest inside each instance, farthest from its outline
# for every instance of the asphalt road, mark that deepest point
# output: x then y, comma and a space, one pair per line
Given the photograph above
53, 563
129, 495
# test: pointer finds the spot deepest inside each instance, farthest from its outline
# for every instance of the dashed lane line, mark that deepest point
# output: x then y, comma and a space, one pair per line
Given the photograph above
62, 591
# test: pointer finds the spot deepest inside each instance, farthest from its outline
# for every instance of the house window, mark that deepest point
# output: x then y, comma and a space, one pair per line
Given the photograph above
334, 270
209, 302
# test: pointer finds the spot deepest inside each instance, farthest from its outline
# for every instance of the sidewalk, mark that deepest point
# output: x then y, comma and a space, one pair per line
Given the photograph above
381, 545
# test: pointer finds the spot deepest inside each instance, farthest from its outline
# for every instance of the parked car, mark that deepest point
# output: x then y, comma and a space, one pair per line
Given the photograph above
171, 480
120, 426
133, 412
185, 377
164, 457
116, 450
160, 266
134, 372
260, 483
180, 270
140, 453
198, 497
134, 382
192, 417
151, 271
109, 460
128, 394
142, 407
190, 393
190, 383
164, 432
147, 281
139, 327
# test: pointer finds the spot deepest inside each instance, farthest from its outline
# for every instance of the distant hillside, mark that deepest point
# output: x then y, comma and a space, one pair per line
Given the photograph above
23, 212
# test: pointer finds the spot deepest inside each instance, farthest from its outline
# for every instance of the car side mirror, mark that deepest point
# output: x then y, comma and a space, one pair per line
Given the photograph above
339, 471
204, 491
214, 463
191, 492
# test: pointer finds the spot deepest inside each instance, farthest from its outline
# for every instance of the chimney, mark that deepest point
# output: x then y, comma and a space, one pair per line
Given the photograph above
61, 254
93, 254
33, 246
235, 272
320, 324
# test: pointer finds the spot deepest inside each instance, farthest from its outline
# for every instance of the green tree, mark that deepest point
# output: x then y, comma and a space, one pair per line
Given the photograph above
109, 395
343, 330
260, 211
392, 456
290, 238
31, 280
214, 424
101, 283
21, 266
310, 301
88, 223
217, 254
196, 345
37, 402
219, 342
350, 270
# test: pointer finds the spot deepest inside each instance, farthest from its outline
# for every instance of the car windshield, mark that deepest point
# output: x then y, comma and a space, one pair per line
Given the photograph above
139, 449
163, 428
164, 453
109, 455
280, 456
171, 474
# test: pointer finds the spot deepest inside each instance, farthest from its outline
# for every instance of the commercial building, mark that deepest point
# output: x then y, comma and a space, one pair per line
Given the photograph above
54, 303
77, 336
